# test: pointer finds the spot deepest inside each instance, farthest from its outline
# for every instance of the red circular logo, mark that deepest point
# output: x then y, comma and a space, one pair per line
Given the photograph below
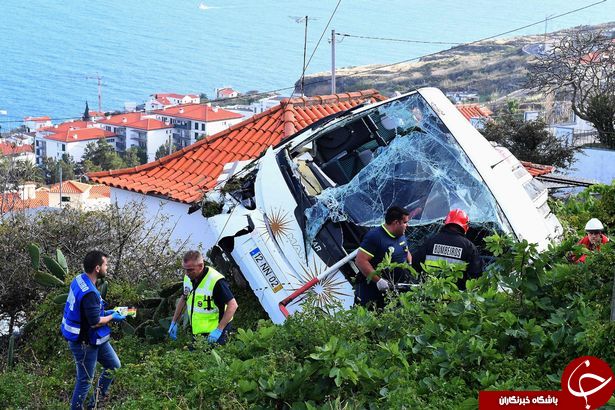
587, 382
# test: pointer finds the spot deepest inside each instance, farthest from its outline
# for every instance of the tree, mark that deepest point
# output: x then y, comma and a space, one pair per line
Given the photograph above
581, 67
13, 173
139, 245
530, 141
163, 150
86, 113
134, 156
51, 168
102, 154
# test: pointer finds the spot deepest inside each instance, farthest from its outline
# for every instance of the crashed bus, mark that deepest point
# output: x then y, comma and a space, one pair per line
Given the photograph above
293, 219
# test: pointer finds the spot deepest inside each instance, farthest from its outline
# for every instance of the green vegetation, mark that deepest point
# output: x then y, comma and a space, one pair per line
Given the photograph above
530, 141
435, 347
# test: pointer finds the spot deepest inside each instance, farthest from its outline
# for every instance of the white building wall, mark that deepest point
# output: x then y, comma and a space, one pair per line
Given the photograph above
215, 127
594, 164
155, 139
192, 228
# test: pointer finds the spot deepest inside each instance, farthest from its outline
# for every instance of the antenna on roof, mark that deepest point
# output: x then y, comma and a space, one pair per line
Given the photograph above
305, 19
99, 78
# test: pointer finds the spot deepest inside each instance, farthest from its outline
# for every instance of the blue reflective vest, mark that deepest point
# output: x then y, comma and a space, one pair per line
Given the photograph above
71, 322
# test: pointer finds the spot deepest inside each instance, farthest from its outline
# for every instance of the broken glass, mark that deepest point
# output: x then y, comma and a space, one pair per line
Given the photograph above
416, 164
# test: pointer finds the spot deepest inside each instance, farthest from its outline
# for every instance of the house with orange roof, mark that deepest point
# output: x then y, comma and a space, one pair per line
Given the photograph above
225, 92
25, 198
477, 114
68, 138
163, 100
72, 193
18, 152
179, 180
194, 121
137, 129
35, 123
79, 195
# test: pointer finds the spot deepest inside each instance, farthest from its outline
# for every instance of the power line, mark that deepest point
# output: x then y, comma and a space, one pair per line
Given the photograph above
323, 33
379, 67
396, 39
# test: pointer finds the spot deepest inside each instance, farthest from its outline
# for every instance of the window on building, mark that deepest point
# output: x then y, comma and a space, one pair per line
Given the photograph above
203, 127
196, 125
110, 139
63, 147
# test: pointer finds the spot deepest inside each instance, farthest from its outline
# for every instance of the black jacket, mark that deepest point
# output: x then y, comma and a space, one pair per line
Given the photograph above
452, 246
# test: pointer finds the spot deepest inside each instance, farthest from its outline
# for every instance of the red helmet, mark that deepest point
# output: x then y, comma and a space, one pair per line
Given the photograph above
458, 217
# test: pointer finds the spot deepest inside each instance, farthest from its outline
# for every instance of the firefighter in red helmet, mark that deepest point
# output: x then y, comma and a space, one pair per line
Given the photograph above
451, 245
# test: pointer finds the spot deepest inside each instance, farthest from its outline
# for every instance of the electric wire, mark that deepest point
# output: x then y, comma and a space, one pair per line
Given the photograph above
396, 39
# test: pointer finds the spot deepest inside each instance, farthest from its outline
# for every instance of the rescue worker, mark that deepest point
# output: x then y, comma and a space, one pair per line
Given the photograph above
211, 304
388, 238
593, 239
452, 246
85, 327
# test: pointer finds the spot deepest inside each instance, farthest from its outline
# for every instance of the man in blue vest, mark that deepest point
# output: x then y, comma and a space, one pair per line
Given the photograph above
386, 240
85, 327
210, 302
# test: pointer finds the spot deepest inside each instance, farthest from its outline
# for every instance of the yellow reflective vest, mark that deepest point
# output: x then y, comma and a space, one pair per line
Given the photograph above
202, 310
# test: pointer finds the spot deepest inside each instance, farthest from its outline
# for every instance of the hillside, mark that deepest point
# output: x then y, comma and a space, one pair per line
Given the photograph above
490, 68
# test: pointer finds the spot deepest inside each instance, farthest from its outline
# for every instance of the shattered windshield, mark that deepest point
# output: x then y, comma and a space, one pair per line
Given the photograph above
410, 160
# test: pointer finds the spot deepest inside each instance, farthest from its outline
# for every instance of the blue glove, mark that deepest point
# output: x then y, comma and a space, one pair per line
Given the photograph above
108, 312
214, 336
173, 331
117, 316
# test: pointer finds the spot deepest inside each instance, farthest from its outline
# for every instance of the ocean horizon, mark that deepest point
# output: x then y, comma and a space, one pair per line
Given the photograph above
52, 51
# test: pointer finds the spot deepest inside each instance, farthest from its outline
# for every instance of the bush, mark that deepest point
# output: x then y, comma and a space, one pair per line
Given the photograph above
515, 328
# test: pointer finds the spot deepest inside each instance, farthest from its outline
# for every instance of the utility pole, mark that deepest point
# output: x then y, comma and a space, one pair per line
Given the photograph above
98, 78
60, 166
305, 20
333, 61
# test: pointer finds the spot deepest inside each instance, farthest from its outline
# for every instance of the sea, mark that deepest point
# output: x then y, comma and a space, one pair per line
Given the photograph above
52, 52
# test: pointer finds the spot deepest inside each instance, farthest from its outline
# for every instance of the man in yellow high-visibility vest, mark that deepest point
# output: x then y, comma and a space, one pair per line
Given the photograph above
208, 298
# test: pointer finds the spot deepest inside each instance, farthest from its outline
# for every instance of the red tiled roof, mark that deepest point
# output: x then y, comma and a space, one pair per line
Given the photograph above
536, 170
171, 95
149, 124
226, 91
37, 119
10, 149
65, 126
186, 175
198, 112
70, 187
100, 191
473, 111
122, 119
81, 134
12, 202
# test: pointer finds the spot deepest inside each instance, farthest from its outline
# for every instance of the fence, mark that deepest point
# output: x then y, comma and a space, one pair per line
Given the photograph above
591, 138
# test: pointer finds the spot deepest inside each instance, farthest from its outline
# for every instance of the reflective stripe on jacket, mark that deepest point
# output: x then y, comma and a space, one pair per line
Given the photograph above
72, 320
203, 312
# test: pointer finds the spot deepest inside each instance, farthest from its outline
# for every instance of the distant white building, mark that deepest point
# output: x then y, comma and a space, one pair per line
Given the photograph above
194, 121
35, 123
138, 130
68, 138
225, 92
266, 103
462, 97
163, 100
